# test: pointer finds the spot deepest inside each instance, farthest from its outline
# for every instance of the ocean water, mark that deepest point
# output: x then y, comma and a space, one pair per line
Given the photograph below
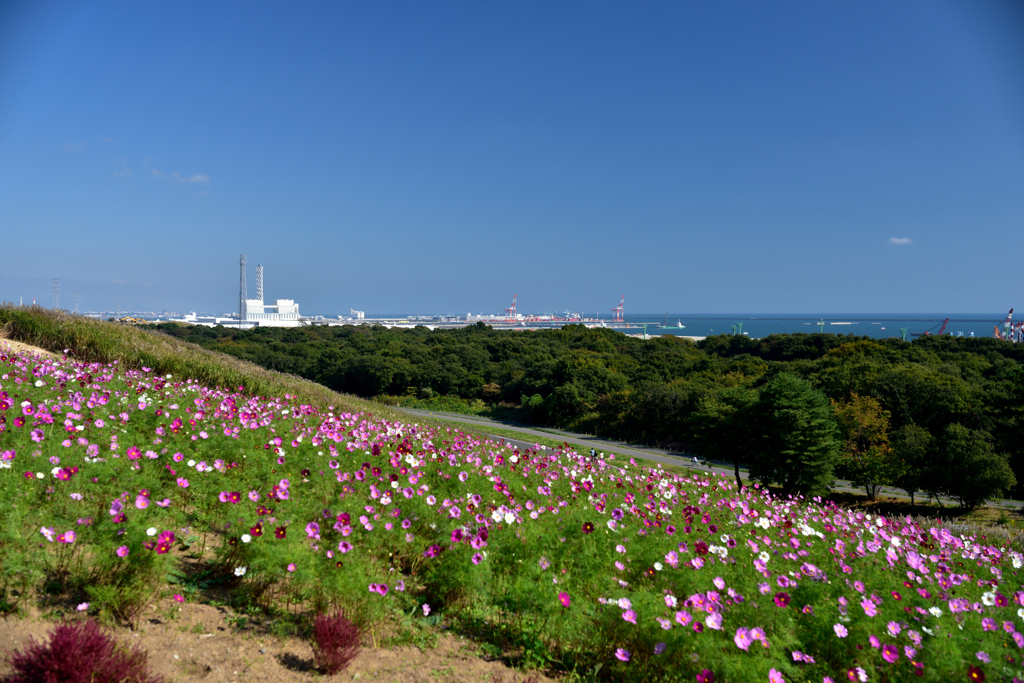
877, 326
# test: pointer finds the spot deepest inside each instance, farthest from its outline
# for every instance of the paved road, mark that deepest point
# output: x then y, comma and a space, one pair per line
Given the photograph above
667, 457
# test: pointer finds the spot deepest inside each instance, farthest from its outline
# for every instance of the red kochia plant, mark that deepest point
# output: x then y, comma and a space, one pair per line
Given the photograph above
335, 642
79, 652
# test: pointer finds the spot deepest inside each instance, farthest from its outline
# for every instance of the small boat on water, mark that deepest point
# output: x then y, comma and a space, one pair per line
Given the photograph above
678, 326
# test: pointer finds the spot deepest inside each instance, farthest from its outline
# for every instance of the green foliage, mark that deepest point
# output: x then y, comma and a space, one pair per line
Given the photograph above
795, 437
968, 469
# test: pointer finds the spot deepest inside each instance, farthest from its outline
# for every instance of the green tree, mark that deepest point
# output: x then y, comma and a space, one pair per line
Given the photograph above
971, 471
913, 448
794, 437
865, 456
721, 425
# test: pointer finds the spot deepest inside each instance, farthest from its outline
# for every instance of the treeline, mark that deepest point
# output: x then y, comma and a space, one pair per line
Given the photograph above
941, 415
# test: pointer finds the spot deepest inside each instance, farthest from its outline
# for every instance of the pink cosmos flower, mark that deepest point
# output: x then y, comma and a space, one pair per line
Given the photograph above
869, 607
743, 639
983, 656
630, 616
47, 531
178, 597
622, 655
890, 653
840, 630
774, 676
182, 482
291, 567
141, 502
683, 618
563, 598
714, 621
122, 551
426, 609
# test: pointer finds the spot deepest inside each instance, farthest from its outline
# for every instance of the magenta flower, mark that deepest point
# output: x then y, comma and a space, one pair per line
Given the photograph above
122, 551
141, 502
344, 546
683, 618
775, 676
781, 599
563, 598
742, 639
622, 655
178, 597
477, 558
869, 607
182, 482
840, 630
313, 530
630, 616
890, 653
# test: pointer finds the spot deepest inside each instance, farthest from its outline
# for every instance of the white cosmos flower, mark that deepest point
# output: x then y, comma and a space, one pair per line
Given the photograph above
40, 382
1020, 613
1017, 562
764, 556
246, 538
658, 566
936, 612
240, 571
509, 517
988, 599
151, 531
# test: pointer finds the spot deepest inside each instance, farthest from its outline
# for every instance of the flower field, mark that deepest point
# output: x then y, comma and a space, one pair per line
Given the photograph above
119, 486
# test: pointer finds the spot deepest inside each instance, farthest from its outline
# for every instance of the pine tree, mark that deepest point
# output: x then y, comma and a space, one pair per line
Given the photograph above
794, 443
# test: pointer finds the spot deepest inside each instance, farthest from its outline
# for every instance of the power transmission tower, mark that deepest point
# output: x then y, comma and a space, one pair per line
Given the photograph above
259, 282
56, 293
76, 301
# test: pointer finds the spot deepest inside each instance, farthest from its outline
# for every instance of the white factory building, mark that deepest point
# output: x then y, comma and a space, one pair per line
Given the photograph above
282, 313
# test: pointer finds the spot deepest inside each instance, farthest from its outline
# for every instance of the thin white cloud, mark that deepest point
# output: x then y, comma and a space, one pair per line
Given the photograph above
900, 240
125, 171
177, 177
73, 147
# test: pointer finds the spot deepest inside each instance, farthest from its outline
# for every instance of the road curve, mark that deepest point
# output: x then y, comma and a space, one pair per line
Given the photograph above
666, 457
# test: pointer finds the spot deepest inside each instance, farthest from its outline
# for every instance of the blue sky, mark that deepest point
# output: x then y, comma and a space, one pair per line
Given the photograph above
441, 157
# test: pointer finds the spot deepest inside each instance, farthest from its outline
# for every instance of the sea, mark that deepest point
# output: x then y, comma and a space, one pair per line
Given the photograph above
875, 325
878, 326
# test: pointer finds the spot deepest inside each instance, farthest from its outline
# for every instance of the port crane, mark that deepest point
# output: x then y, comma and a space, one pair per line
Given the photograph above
928, 333
617, 315
510, 312
1008, 331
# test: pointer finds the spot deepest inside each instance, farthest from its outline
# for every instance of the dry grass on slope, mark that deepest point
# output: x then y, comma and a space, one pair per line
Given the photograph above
100, 341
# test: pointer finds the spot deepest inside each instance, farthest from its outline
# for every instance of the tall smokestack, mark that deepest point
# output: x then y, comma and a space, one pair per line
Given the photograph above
259, 282
241, 289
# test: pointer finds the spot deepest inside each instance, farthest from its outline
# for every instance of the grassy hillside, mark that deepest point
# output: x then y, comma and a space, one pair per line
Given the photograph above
97, 341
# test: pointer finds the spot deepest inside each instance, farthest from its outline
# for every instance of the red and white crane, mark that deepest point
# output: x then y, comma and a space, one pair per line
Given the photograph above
510, 312
617, 311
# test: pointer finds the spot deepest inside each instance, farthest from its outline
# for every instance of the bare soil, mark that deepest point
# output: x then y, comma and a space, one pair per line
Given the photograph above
193, 642
19, 347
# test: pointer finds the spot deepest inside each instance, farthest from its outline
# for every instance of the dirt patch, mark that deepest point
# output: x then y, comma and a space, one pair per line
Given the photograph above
20, 347
200, 643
